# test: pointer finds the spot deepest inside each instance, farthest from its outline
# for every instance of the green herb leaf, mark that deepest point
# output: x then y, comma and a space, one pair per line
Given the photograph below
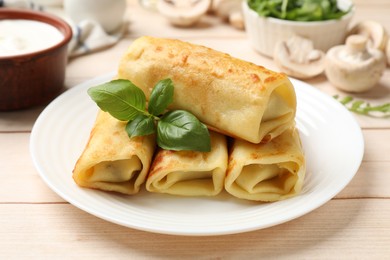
346, 100
161, 97
298, 10
121, 98
176, 130
140, 126
364, 108
180, 130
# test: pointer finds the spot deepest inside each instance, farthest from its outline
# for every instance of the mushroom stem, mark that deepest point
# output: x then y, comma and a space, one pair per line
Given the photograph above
375, 32
356, 43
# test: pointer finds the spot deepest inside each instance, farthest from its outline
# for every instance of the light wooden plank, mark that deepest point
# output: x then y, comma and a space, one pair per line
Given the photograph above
371, 181
375, 12
20, 181
377, 146
373, 3
21, 120
354, 229
86, 67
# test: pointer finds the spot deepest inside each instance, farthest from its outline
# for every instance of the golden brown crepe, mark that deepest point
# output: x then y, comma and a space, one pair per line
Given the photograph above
112, 161
231, 96
190, 173
269, 171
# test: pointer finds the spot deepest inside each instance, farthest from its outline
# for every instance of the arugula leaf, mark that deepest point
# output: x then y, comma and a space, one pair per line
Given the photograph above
121, 98
180, 130
176, 130
161, 97
364, 108
298, 10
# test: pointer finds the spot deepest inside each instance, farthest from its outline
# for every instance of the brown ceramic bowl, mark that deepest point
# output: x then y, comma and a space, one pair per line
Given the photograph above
37, 77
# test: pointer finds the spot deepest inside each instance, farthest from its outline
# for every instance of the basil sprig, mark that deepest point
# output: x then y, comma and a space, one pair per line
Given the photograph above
176, 130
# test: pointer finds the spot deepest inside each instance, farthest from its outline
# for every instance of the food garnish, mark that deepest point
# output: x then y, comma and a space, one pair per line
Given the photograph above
176, 129
298, 10
364, 108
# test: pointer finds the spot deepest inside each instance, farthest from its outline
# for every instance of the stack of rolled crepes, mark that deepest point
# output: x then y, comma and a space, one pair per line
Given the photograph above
245, 105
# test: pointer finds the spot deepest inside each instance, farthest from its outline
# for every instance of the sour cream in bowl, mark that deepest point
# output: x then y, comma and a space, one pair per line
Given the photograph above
20, 36
33, 57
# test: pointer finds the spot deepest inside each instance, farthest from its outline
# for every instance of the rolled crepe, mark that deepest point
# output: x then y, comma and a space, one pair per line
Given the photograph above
190, 173
268, 171
231, 96
112, 161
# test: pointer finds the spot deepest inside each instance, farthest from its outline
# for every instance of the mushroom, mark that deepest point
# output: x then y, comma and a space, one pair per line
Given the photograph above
297, 58
374, 31
183, 13
237, 20
229, 10
388, 52
354, 67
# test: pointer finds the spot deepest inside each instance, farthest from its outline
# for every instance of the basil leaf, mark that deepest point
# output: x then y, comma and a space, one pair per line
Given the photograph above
176, 130
161, 97
141, 125
121, 98
180, 130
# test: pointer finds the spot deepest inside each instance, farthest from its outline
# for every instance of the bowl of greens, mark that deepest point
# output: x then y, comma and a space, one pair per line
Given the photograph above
324, 22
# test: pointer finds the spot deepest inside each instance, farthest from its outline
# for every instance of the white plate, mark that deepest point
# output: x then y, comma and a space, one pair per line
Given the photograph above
331, 138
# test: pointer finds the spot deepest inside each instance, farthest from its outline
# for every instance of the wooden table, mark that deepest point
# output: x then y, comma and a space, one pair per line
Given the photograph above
34, 221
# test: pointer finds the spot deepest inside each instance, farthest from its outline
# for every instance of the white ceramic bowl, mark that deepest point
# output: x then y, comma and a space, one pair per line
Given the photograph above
265, 32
